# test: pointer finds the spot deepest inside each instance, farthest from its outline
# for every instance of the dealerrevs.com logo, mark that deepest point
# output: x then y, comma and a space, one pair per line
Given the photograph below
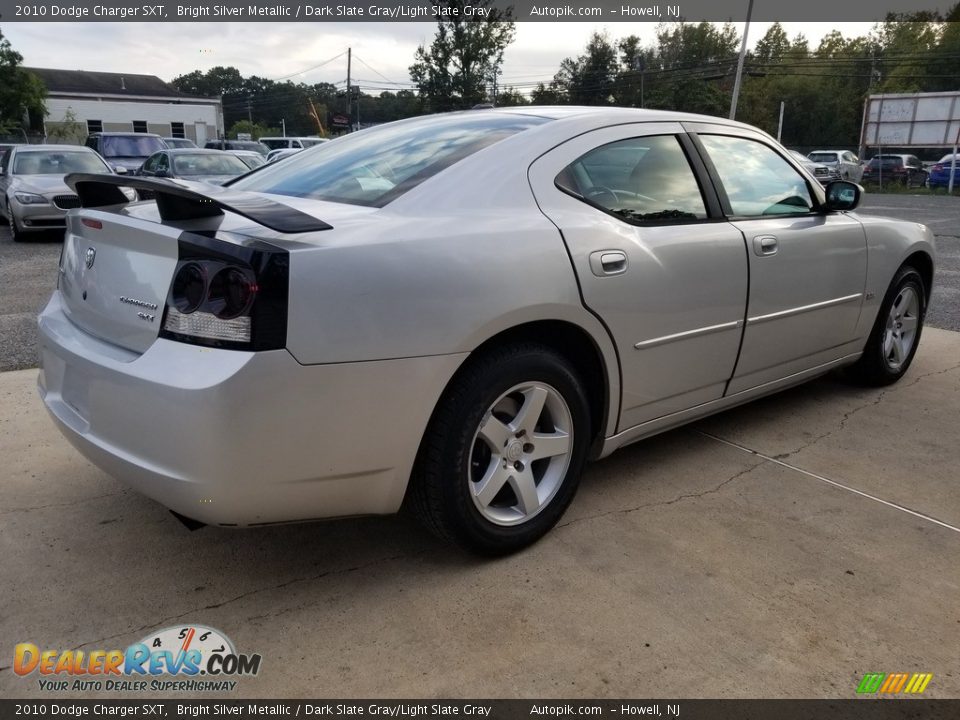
190, 659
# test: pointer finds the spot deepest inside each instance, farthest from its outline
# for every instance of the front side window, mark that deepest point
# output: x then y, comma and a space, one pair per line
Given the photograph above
642, 180
375, 166
756, 179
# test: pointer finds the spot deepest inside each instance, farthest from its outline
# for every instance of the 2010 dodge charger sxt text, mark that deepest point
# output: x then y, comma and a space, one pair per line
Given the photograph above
455, 312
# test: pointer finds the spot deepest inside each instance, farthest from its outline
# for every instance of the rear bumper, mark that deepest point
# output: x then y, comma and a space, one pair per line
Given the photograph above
236, 438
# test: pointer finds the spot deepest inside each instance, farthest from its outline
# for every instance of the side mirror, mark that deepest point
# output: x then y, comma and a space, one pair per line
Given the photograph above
842, 195
119, 170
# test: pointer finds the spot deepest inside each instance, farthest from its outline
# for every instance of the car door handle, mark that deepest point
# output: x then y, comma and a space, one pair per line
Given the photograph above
765, 245
608, 262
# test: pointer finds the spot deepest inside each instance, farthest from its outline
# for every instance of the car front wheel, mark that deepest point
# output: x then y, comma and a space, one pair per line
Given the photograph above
896, 332
502, 457
16, 234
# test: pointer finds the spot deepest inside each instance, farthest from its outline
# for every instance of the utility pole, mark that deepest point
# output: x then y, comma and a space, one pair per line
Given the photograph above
250, 108
743, 53
639, 66
349, 54
780, 123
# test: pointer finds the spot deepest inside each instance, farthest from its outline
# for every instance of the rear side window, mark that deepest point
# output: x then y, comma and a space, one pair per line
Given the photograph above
756, 179
376, 166
640, 180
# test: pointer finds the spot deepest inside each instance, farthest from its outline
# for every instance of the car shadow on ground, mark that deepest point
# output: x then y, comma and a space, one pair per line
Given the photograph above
301, 551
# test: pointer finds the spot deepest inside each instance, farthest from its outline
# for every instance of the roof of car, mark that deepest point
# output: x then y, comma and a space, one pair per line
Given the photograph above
193, 151
53, 146
128, 134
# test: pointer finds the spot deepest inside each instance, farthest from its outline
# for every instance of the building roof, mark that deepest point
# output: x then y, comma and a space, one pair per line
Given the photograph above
105, 83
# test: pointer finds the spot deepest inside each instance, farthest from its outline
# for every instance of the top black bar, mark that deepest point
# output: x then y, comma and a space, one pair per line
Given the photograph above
605, 11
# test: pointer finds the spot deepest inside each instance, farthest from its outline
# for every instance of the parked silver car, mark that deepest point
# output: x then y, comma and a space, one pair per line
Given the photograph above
842, 164
820, 171
34, 194
455, 312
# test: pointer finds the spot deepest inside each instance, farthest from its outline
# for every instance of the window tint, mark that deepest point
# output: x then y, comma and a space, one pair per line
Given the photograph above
177, 130
823, 157
207, 164
375, 166
46, 162
94, 126
756, 179
129, 145
151, 164
644, 179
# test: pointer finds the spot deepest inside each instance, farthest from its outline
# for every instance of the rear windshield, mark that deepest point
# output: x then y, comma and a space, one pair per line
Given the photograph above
376, 166
39, 162
253, 145
886, 161
274, 143
187, 164
113, 146
823, 157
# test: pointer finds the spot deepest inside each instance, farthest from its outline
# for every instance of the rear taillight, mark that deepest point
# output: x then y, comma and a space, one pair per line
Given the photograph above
938, 167
228, 295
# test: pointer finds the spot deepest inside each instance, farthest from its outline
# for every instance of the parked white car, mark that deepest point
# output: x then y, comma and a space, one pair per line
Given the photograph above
842, 164
455, 312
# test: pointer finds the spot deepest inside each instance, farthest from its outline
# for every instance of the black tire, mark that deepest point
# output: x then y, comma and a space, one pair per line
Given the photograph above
16, 234
875, 367
441, 491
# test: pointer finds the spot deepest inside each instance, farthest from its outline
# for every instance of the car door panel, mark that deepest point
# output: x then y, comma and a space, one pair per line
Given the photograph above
674, 297
807, 270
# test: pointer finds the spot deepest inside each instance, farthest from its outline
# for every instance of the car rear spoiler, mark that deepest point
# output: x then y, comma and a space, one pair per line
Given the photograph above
184, 200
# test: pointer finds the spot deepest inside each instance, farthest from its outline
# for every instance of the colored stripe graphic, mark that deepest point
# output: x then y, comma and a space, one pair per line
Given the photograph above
871, 682
918, 683
892, 683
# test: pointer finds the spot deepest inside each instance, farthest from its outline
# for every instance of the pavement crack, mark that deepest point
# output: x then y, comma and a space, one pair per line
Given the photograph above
661, 503
66, 504
286, 583
850, 413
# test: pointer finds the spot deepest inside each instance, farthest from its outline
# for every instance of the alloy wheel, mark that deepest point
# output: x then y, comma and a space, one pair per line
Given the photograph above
901, 329
520, 453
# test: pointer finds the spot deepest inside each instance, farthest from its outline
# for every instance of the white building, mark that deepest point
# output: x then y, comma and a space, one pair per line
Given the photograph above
80, 102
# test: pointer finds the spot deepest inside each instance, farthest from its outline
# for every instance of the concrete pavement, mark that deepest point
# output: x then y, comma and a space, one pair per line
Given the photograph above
782, 549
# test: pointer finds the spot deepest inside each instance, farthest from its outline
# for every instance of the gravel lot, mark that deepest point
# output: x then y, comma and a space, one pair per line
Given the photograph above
28, 272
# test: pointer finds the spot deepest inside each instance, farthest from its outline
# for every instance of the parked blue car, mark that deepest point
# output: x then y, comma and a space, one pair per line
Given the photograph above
940, 173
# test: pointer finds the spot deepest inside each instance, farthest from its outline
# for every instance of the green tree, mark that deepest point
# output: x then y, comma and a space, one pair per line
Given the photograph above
254, 130
21, 92
454, 71
589, 79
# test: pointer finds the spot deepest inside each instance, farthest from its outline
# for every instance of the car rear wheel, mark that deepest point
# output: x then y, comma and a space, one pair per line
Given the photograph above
896, 332
502, 457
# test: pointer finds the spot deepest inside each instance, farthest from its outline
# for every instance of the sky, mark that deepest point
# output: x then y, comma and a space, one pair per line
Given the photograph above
382, 52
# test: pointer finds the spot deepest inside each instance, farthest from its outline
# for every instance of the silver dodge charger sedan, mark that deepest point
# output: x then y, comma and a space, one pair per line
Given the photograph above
454, 313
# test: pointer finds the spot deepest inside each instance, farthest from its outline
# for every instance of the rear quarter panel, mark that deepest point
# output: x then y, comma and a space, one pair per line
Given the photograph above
890, 243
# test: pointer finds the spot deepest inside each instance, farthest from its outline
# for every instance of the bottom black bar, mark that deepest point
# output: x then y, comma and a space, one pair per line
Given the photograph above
868, 709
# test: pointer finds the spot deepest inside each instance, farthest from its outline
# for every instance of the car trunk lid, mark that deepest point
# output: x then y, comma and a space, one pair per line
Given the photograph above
116, 268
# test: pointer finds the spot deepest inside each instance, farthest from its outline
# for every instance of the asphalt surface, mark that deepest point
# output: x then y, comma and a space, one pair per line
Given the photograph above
782, 549
28, 272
